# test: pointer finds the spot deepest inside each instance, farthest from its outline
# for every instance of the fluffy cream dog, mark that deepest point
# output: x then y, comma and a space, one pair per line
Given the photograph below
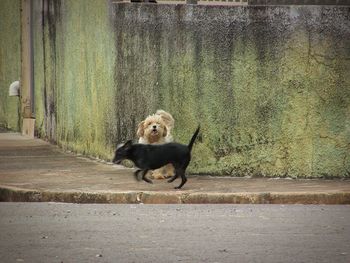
156, 129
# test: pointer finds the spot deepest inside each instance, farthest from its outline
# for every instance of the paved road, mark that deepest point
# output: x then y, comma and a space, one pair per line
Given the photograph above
52, 232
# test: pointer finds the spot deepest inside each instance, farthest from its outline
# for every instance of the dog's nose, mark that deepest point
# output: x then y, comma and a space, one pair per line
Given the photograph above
154, 127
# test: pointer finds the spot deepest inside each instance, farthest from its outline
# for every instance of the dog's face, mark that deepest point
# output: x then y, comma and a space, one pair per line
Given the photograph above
122, 152
153, 128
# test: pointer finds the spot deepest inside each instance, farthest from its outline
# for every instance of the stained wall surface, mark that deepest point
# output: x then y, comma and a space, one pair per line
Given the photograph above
270, 85
10, 62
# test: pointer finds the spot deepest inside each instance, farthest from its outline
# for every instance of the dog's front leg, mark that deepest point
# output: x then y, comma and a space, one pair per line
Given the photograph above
144, 172
143, 177
136, 174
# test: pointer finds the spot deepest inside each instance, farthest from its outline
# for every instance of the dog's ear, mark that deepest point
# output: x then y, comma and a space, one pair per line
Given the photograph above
140, 130
120, 145
165, 133
167, 118
125, 145
128, 144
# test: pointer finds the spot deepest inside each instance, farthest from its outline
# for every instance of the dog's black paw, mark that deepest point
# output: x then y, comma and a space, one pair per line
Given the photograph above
136, 175
147, 180
172, 179
137, 178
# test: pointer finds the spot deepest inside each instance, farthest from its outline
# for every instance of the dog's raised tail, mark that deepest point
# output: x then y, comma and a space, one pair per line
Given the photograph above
193, 138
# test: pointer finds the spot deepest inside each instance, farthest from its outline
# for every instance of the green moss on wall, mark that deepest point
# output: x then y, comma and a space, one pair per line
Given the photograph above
250, 76
10, 62
74, 75
269, 85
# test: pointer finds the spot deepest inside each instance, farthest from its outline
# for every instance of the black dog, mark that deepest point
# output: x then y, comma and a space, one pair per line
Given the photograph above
150, 156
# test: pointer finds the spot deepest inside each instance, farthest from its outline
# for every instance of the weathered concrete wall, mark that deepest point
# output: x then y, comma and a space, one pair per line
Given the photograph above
269, 85
10, 62
298, 2
74, 69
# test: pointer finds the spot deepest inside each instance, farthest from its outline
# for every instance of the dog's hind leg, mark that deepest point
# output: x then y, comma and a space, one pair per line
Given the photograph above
172, 179
144, 172
177, 172
183, 178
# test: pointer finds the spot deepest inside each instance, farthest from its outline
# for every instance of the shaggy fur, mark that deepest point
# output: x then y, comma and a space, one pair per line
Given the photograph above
156, 129
150, 156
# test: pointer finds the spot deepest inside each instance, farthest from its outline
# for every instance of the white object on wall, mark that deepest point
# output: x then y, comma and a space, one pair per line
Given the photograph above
14, 88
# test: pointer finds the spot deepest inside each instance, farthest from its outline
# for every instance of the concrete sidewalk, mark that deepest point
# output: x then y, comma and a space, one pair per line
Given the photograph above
34, 170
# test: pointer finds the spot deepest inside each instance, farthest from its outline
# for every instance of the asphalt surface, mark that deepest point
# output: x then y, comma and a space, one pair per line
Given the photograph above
34, 170
56, 232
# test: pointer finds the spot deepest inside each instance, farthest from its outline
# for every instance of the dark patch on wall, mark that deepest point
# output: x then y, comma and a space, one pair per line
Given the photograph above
51, 16
125, 122
265, 112
198, 64
172, 31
